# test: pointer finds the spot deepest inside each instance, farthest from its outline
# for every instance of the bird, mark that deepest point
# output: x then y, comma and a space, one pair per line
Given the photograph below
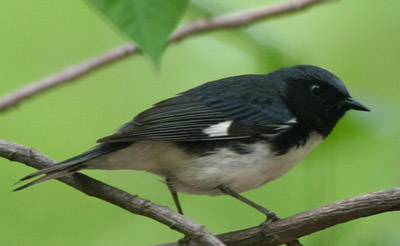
223, 137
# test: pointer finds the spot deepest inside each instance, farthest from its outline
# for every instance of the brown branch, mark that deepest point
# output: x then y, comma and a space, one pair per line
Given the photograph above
67, 75
299, 225
243, 18
279, 232
122, 199
233, 20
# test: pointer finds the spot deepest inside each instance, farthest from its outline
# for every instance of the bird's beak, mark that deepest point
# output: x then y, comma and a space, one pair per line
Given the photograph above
350, 103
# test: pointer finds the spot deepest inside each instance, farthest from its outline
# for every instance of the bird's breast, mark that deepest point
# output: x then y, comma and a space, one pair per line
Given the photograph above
237, 170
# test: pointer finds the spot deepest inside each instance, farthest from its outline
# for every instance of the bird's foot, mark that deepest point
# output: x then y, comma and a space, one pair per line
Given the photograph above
271, 217
183, 241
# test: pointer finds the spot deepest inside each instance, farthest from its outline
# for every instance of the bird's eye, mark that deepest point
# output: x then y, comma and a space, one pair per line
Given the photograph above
316, 90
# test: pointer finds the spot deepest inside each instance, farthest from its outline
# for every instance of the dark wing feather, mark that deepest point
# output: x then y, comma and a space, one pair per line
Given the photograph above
182, 118
251, 111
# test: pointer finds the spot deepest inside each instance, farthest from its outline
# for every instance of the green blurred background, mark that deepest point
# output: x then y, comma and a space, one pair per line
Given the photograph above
357, 40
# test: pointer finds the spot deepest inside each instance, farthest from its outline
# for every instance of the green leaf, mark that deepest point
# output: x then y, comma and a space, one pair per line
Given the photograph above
147, 22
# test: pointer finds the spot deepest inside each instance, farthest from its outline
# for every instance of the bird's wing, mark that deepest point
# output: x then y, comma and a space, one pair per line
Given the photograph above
189, 117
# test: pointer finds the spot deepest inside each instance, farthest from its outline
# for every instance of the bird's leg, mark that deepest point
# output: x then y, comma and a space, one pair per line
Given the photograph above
271, 216
174, 195
184, 240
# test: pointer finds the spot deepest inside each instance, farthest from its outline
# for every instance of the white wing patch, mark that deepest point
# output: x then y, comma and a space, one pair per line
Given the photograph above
287, 125
218, 130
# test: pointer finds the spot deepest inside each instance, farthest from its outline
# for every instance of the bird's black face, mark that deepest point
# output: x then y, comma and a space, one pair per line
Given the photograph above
318, 98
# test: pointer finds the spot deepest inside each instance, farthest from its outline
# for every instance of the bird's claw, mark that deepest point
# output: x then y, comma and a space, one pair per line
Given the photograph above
271, 217
183, 241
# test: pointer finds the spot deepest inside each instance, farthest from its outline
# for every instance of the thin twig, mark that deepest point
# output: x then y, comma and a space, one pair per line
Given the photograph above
243, 18
67, 75
233, 20
122, 199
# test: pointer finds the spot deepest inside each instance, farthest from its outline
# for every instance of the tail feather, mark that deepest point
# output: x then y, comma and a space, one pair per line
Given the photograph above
73, 164
46, 171
52, 172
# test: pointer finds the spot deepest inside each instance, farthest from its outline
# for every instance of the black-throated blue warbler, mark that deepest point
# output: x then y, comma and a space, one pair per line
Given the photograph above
226, 136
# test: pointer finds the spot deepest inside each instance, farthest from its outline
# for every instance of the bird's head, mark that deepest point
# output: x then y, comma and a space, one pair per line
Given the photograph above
316, 96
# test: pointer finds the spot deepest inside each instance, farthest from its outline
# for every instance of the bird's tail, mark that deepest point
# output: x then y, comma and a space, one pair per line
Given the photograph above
71, 165
52, 172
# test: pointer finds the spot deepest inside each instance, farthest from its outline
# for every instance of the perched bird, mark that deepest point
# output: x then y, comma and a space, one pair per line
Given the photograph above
226, 136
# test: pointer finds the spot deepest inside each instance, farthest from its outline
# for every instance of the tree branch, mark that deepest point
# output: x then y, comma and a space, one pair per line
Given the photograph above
122, 199
302, 224
243, 18
233, 20
279, 232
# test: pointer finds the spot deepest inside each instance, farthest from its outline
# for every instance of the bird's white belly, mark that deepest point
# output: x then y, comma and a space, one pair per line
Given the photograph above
239, 172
